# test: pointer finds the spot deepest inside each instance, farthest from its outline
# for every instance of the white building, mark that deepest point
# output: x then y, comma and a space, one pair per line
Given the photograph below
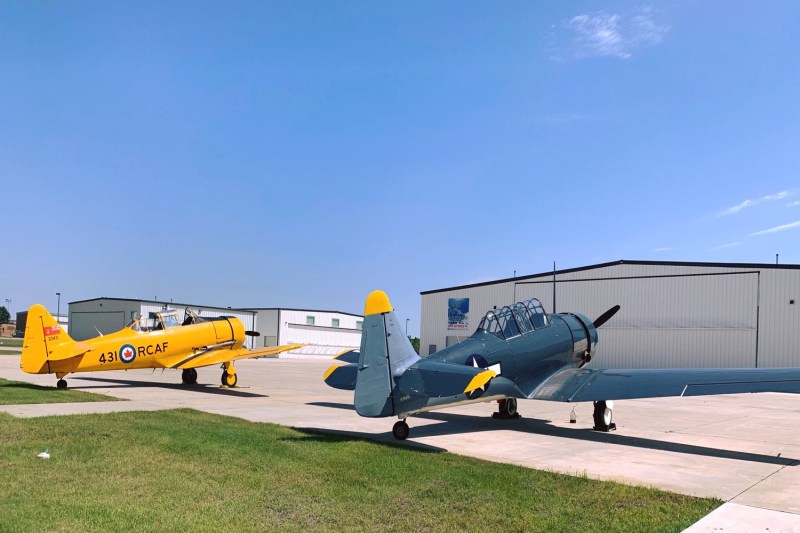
673, 314
324, 333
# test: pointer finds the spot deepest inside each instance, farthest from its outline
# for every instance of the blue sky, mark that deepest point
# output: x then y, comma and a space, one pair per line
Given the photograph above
302, 154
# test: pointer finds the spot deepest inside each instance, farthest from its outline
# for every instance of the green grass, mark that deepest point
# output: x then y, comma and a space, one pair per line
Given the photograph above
11, 341
10, 352
18, 392
183, 470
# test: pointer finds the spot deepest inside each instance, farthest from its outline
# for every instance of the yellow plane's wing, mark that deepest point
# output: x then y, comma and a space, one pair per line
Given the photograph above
224, 355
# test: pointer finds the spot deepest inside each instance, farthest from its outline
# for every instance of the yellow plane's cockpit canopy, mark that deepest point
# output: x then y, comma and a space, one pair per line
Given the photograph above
156, 321
167, 319
516, 319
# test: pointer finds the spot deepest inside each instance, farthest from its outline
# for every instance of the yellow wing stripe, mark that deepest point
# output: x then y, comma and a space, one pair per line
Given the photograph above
338, 355
329, 372
480, 380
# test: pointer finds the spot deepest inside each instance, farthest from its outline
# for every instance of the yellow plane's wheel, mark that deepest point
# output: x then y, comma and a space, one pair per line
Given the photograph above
229, 380
62, 384
189, 376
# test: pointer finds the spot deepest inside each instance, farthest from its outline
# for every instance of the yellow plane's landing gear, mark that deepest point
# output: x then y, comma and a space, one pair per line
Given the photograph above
62, 384
229, 380
401, 430
189, 376
229, 377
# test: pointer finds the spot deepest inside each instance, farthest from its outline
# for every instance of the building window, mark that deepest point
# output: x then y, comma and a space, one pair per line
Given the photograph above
334, 322
359, 324
431, 349
309, 320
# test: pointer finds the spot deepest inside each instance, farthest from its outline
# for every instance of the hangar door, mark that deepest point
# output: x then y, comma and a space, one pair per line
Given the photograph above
82, 324
675, 321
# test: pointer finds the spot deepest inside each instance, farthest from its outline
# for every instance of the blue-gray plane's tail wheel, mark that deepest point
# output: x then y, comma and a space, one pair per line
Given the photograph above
506, 409
400, 430
604, 416
62, 384
189, 376
229, 380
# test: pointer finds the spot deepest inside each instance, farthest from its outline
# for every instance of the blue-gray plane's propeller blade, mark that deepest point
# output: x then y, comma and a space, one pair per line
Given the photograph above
605, 317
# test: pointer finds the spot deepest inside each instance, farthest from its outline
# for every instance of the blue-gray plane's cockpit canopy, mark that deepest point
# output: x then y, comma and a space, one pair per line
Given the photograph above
517, 319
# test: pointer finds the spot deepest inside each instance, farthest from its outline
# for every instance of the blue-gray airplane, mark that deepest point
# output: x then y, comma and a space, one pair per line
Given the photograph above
517, 352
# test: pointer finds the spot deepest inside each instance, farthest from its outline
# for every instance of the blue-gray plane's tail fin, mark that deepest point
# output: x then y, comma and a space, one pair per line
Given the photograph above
384, 355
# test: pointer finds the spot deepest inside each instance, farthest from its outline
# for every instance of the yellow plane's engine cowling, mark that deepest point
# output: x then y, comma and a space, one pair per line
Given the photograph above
584, 337
228, 329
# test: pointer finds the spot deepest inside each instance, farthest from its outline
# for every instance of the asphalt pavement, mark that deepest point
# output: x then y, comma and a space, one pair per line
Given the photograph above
743, 449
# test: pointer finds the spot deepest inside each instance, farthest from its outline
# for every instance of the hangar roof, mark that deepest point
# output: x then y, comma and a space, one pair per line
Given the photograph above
615, 263
246, 309
298, 309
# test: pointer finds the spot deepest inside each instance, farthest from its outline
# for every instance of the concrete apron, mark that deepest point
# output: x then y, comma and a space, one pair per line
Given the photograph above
743, 449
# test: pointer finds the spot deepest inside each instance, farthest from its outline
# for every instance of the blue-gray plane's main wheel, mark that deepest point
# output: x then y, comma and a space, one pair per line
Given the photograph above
189, 376
506, 409
511, 408
401, 430
62, 384
604, 416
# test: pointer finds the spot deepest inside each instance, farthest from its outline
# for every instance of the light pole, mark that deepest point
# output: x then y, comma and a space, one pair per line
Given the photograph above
8, 306
407, 319
58, 312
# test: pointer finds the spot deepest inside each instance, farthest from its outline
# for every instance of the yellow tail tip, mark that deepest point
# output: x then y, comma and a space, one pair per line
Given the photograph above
479, 380
377, 302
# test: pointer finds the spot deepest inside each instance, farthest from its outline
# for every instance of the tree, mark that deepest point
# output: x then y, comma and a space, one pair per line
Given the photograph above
414, 343
5, 317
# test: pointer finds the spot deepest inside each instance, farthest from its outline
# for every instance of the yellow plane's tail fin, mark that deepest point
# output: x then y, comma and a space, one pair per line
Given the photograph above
45, 340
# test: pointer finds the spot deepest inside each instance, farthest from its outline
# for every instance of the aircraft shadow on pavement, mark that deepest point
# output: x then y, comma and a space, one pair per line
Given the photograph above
454, 424
335, 435
348, 406
205, 389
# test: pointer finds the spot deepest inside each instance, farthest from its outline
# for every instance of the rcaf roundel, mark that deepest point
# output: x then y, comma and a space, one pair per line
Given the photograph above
127, 353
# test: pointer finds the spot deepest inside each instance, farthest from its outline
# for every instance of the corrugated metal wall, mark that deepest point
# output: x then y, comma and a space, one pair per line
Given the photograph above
671, 316
103, 315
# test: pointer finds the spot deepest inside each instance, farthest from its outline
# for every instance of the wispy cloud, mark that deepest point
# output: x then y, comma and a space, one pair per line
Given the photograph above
662, 249
723, 246
607, 34
793, 204
776, 229
751, 202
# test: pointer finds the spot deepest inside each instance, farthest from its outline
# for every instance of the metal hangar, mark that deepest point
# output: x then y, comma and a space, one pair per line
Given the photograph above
323, 333
673, 314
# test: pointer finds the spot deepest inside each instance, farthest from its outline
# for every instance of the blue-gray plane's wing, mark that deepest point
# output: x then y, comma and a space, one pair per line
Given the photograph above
581, 385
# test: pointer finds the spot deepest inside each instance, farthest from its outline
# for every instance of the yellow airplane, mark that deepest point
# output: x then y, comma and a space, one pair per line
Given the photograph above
161, 342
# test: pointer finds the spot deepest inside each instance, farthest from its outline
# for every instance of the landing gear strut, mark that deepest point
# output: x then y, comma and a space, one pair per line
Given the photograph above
506, 409
189, 376
62, 384
400, 430
603, 416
